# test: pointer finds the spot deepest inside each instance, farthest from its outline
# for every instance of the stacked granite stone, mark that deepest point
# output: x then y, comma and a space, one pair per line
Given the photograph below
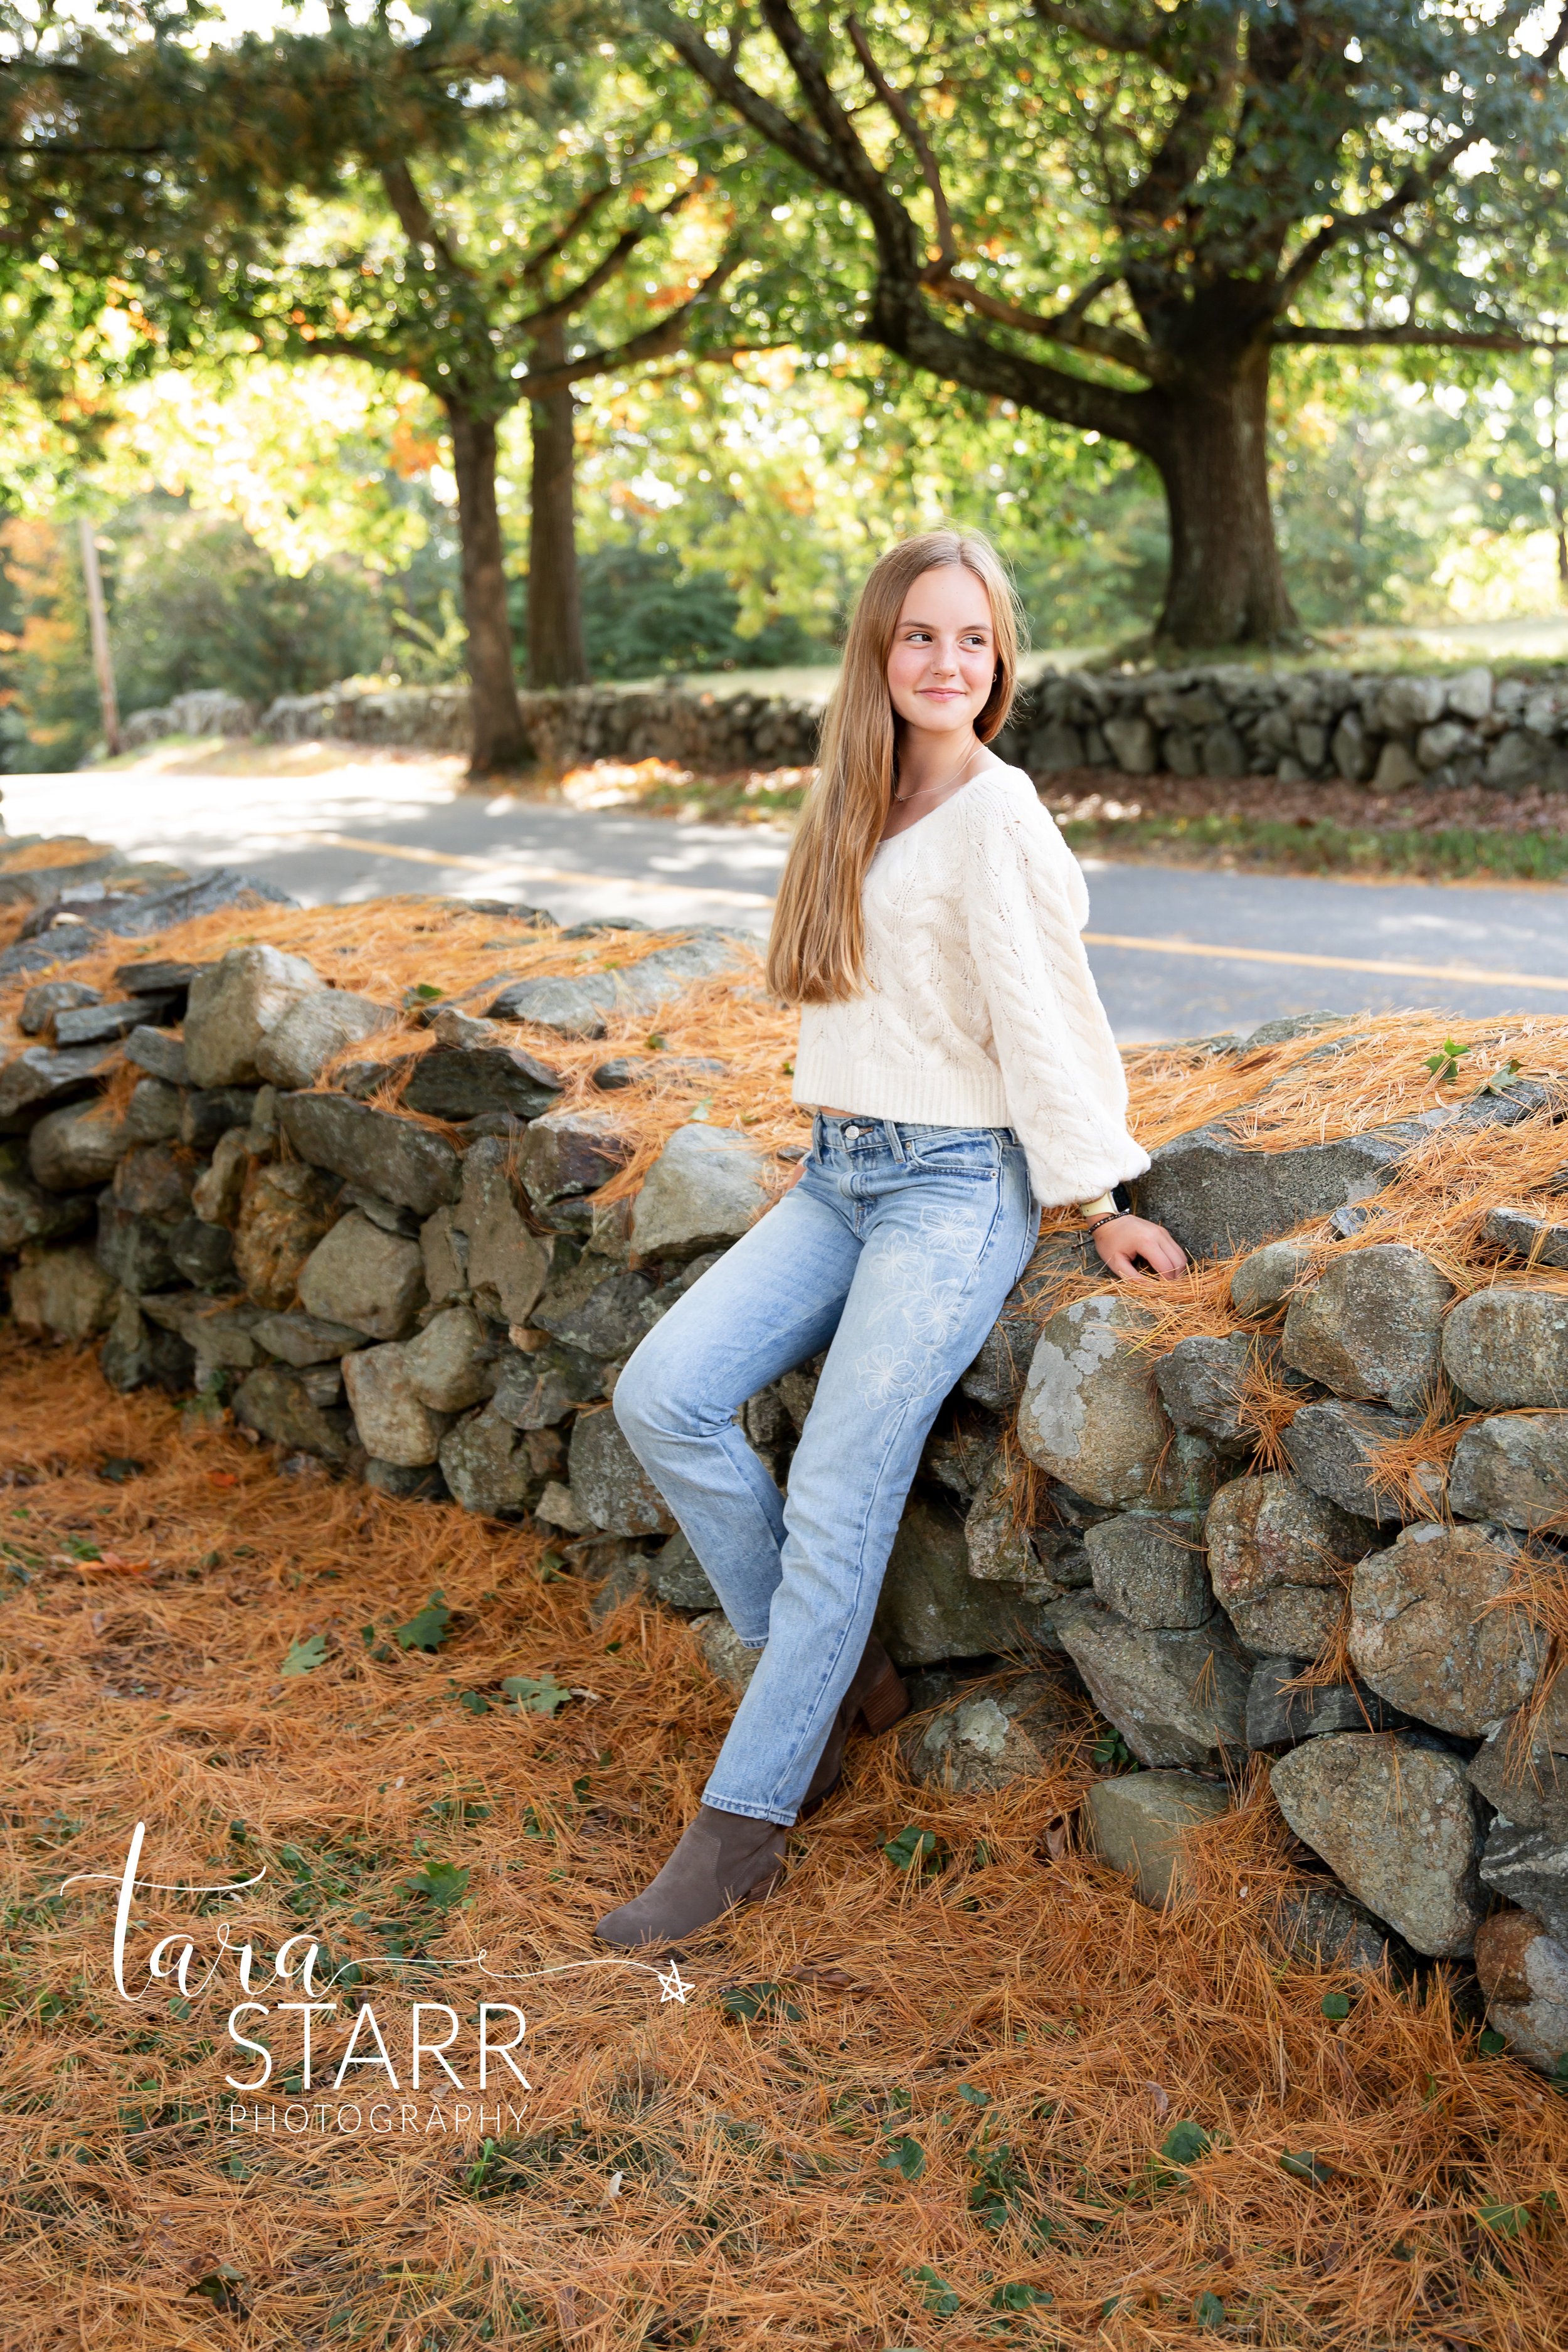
437, 1300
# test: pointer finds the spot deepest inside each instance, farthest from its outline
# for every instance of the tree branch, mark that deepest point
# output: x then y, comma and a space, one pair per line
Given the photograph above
653, 343
539, 260
781, 130
418, 225
1127, 40
550, 314
1069, 326
897, 105
1480, 338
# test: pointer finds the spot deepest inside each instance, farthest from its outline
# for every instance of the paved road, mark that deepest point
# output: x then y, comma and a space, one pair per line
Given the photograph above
1177, 951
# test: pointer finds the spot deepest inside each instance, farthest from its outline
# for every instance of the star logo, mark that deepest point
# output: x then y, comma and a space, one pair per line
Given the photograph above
672, 1985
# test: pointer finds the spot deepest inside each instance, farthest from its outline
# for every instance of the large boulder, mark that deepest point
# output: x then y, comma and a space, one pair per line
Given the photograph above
539, 1388
1005, 1728
63, 1294
703, 1191
1279, 1558
1397, 1822
303, 1339
1522, 1767
1523, 1973
997, 1377
577, 1007
1506, 1347
1541, 1240
1201, 1383
283, 1213
507, 1264
1530, 1865
1426, 1633
1266, 1276
487, 1465
42, 1077
1324, 1927
298, 1047
1280, 1710
1371, 1327
451, 1363
393, 1422
136, 1354
1150, 1569
610, 1483
28, 1213
1177, 1698
597, 1307
476, 1074
1140, 1823
377, 1151
79, 1145
1513, 1468
568, 1152
1333, 1449
233, 1005
372, 1280
1091, 1415
931, 1607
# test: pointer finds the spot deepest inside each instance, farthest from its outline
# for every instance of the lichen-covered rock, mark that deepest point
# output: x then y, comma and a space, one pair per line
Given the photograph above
704, 1190
1150, 1569
378, 1150
1140, 1823
233, 1005
677, 1577
1396, 1822
450, 1364
298, 1047
1278, 1714
566, 1152
79, 1145
371, 1280
446, 1254
28, 1213
487, 1465
134, 1251
537, 1389
1201, 1382
276, 1403
1217, 1195
1530, 1865
1005, 1728
477, 1074
1512, 1468
1269, 1275
724, 1653
508, 1264
152, 1180
1177, 1698
218, 1191
1523, 1973
1372, 1325
596, 1307
136, 1354
394, 1422
1522, 1766
1333, 1448
1506, 1347
1091, 1415
42, 1077
283, 1213
302, 1339
204, 1254
1279, 1558
1324, 1928
1539, 1239
63, 1294
153, 1114
931, 1607
1049, 1560
1427, 1634
610, 1483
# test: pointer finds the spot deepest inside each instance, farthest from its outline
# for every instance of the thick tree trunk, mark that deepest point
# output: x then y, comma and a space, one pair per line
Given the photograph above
555, 651
500, 740
1226, 585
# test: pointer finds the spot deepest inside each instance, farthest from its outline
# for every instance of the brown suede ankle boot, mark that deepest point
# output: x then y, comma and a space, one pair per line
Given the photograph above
722, 1858
878, 1695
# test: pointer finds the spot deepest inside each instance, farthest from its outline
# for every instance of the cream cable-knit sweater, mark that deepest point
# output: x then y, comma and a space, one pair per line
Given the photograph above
979, 1008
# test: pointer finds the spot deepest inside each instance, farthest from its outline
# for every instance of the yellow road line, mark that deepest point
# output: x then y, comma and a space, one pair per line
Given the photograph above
1329, 963
532, 873
1390, 968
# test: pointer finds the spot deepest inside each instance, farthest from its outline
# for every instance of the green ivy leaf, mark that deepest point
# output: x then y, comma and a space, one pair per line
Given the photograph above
1505, 2220
940, 2297
1184, 2142
427, 1629
1017, 2297
536, 1695
1302, 2165
1336, 2005
440, 1882
914, 1845
1208, 2311
907, 2158
1492, 2043
753, 2000
305, 1657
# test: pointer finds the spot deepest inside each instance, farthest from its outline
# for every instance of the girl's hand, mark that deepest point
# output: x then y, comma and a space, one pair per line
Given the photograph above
1125, 1240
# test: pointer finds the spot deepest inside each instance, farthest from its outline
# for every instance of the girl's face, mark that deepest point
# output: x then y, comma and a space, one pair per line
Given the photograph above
943, 657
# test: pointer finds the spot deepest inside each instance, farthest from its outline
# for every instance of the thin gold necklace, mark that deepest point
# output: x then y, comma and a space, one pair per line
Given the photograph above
905, 798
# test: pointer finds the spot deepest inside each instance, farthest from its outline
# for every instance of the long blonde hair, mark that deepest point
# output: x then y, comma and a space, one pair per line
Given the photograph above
817, 945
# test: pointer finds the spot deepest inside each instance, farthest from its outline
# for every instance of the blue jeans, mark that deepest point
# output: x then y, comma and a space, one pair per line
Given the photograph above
898, 1246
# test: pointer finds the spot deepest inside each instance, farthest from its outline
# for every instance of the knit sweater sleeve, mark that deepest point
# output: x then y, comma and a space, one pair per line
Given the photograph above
1026, 903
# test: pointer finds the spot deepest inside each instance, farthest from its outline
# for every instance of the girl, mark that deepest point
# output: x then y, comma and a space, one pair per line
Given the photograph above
963, 1076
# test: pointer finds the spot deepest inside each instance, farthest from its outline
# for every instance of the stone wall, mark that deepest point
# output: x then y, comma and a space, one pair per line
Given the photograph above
435, 1298
1461, 728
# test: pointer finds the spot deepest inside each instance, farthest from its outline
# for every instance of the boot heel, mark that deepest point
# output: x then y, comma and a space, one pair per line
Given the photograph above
765, 1886
885, 1702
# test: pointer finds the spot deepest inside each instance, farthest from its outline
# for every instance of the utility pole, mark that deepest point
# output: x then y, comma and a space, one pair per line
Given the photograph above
97, 621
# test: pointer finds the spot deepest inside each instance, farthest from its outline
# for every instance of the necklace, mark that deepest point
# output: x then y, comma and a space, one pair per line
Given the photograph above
905, 798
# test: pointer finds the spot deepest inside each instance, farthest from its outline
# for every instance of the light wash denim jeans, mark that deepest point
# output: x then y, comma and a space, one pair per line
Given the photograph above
898, 1246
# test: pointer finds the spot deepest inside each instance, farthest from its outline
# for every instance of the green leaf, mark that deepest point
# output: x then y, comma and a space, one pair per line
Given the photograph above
1017, 2297
305, 1657
1560, 2071
441, 1883
1505, 2221
536, 1695
753, 2000
905, 2156
656, 1042
1208, 2310
1302, 2165
1490, 2043
940, 2297
427, 1629
427, 988
975, 2097
1336, 2005
914, 1845
1184, 2142
474, 1701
